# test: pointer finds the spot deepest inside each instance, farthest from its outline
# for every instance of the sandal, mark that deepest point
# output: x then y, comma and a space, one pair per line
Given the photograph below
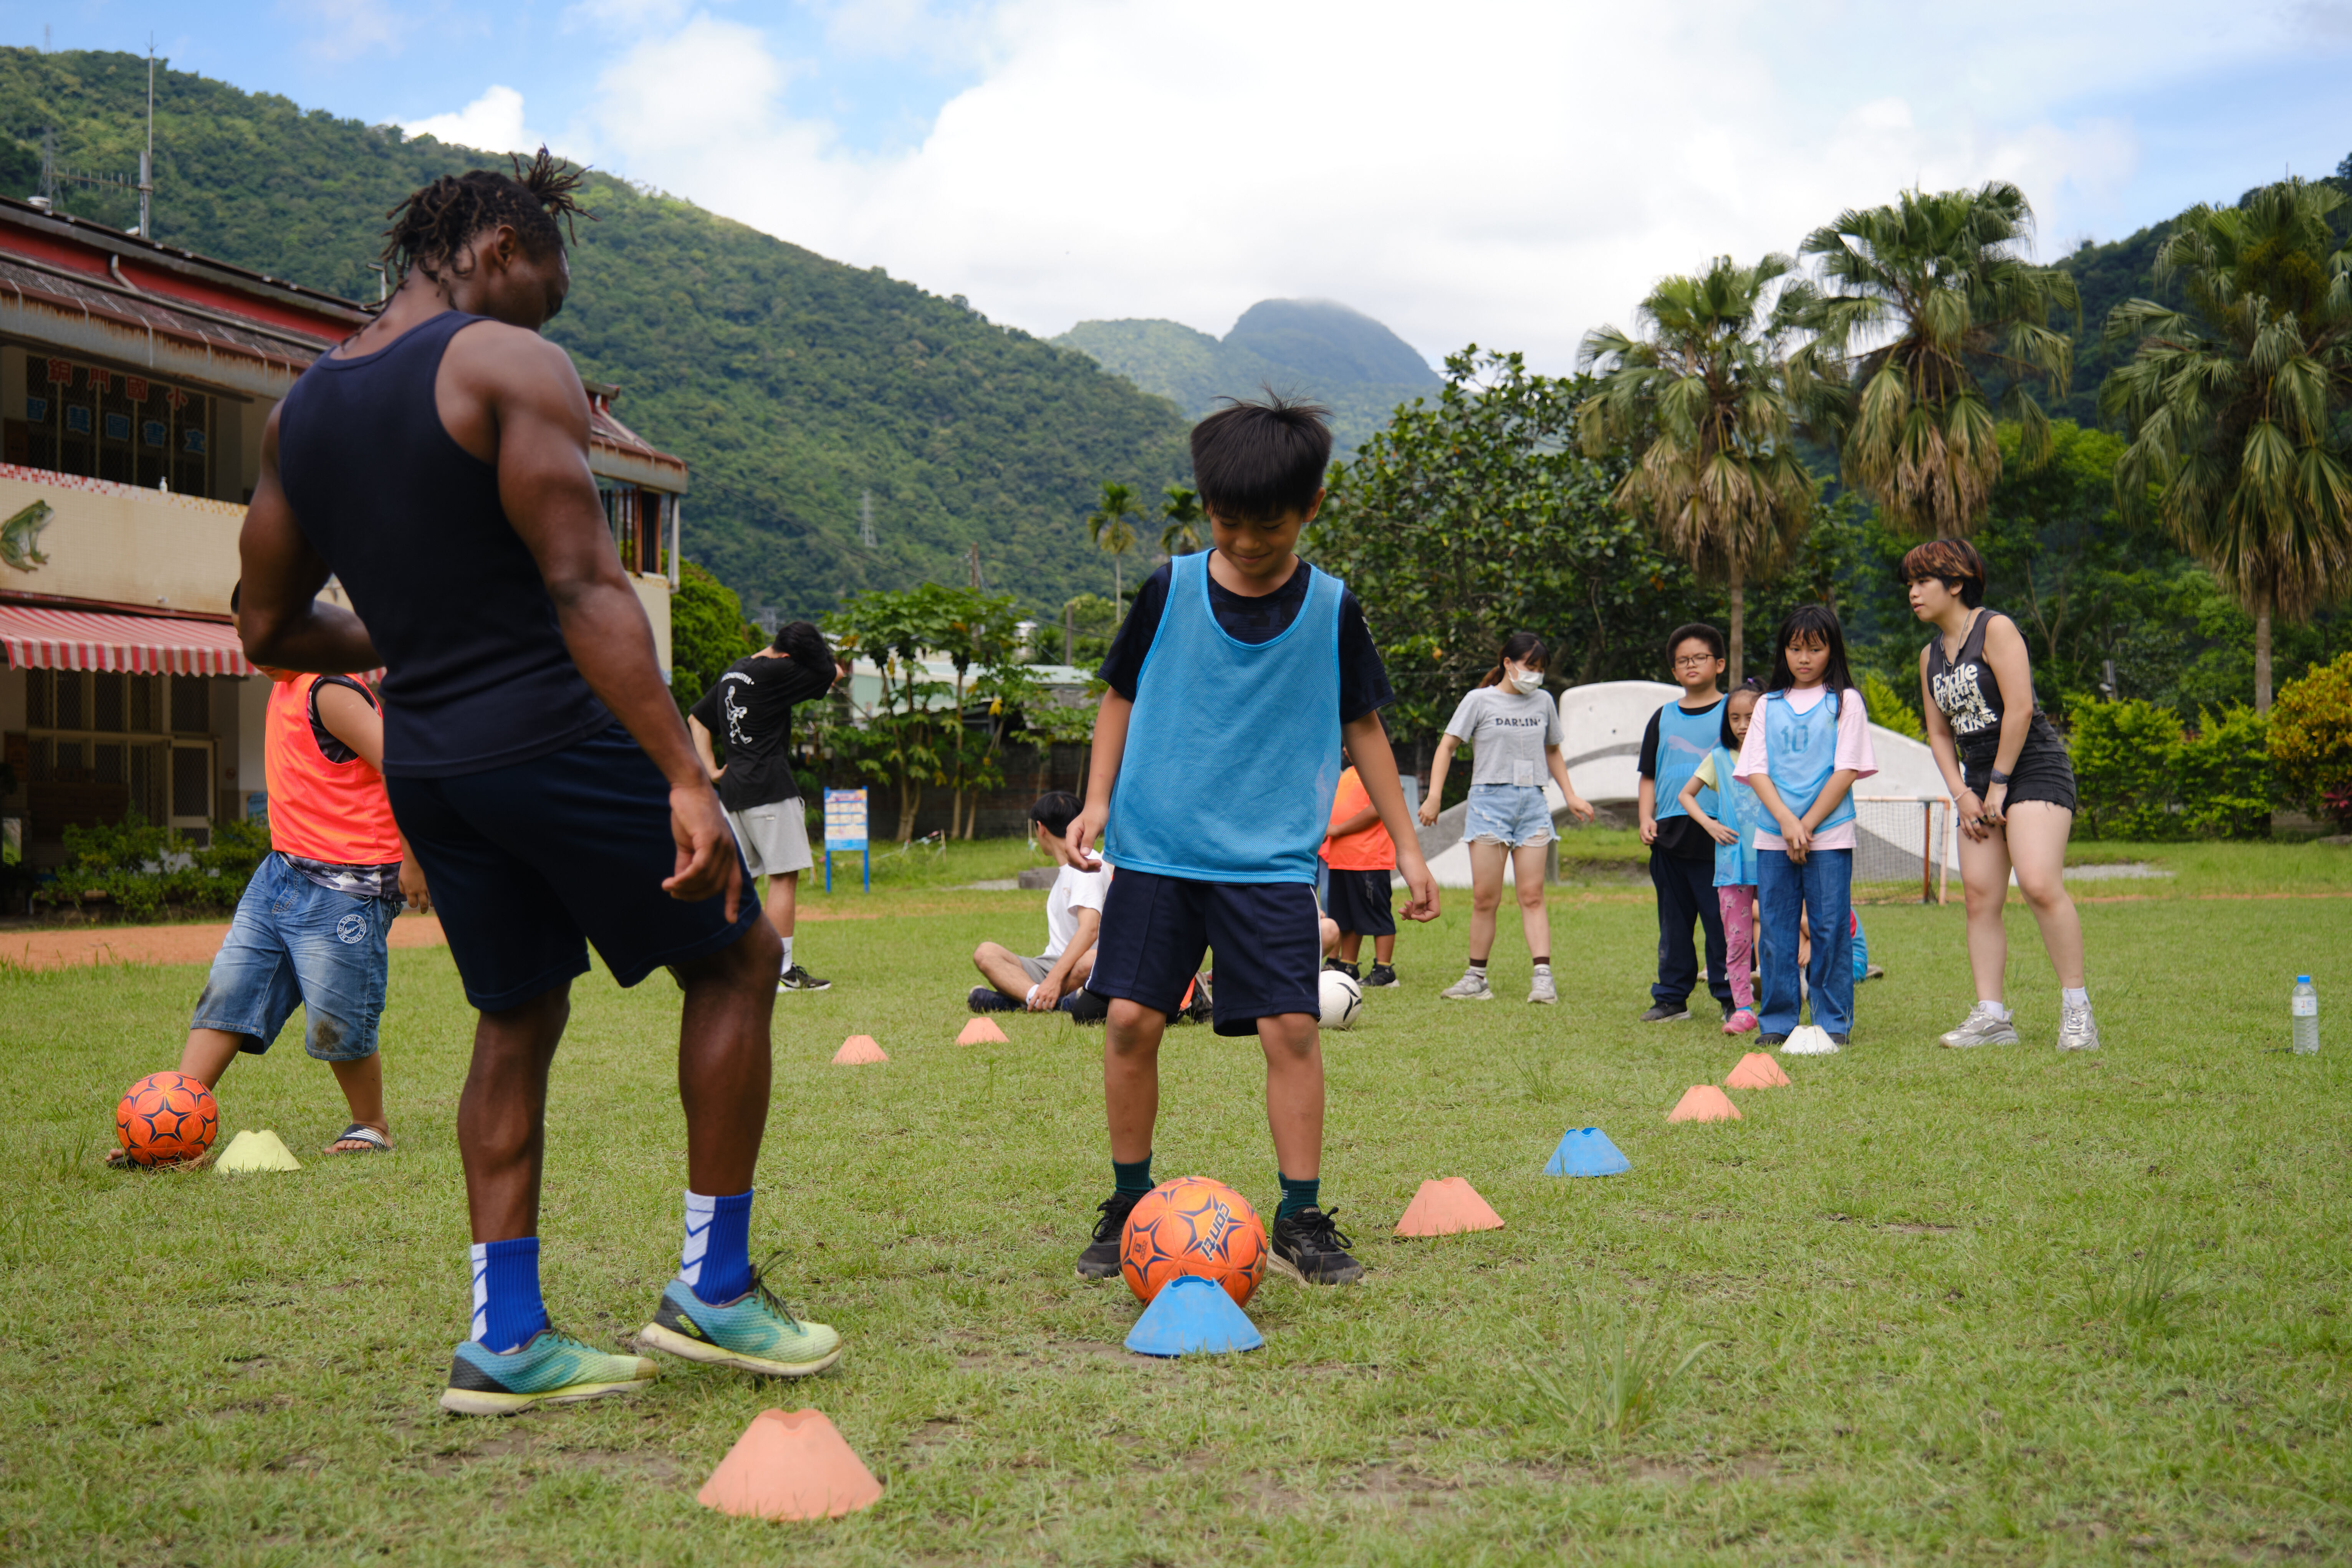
360, 1132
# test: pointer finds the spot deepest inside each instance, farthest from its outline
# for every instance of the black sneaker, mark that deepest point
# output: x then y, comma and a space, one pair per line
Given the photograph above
1101, 1260
1342, 966
1664, 1012
1841, 1042
799, 979
989, 999
1085, 1007
1382, 975
1771, 1040
1312, 1250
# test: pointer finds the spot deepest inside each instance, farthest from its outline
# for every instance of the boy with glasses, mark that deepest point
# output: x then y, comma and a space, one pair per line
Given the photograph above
1682, 856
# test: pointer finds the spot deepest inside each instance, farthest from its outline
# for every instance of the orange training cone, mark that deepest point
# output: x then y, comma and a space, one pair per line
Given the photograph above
790, 1466
980, 1031
1757, 1070
1442, 1208
857, 1051
1704, 1103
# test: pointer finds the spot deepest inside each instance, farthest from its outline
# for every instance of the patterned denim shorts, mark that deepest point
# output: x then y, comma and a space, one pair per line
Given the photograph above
1513, 815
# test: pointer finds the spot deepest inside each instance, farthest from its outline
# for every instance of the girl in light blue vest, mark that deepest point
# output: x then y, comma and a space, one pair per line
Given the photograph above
1733, 829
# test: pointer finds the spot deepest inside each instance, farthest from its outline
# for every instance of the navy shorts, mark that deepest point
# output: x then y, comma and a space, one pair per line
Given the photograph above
531, 863
1359, 901
1268, 937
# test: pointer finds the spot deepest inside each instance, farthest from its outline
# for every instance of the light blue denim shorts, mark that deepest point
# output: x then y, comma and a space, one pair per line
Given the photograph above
1513, 815
295, 944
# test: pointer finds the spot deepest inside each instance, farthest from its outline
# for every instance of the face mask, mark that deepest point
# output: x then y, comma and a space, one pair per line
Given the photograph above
1523, 682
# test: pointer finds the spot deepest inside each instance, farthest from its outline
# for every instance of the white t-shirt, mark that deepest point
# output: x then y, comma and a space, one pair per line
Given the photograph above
1073, 890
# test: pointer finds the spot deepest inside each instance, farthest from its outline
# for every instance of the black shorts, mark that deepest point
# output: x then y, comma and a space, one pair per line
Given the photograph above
530, 862
1269, 939
2043, 772
1359, 902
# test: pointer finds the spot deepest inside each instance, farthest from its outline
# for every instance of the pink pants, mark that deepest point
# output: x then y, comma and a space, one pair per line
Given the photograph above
1738, 907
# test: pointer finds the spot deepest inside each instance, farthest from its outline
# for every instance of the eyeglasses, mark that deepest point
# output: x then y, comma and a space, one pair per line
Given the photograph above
1694, 660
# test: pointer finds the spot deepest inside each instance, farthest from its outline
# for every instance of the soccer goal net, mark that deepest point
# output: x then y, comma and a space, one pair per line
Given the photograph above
1903, 846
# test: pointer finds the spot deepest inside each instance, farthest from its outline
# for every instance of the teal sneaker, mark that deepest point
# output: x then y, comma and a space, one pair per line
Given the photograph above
755, 1331
549, 1368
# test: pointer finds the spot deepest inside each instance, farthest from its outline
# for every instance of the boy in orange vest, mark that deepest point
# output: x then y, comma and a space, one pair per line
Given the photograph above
310, 929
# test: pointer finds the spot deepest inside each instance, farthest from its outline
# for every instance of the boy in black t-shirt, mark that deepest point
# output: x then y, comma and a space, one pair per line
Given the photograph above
751, 706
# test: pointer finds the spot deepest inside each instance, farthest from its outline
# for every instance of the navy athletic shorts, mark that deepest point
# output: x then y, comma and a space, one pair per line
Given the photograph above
531, 863
1268, 939
1359, 901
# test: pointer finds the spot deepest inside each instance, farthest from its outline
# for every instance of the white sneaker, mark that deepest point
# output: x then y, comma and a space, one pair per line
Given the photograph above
1542, 990
1471, 987
2077, 1030
1983, 1026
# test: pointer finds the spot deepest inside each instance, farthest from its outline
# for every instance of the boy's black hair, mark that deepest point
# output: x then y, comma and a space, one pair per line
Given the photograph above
1954, 563
802, 638
1055, 811
1256, 461
1815, 622
1700, 630
432, 226
1728, 741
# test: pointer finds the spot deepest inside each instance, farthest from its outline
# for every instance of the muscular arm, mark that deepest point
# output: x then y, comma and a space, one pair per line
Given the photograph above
280, 619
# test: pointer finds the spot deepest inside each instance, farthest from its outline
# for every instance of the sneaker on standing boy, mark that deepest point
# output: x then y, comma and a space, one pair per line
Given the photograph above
1682, 856
751, 706
1216, 753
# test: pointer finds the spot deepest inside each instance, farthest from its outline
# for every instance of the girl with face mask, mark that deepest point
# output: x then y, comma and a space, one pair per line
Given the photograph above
1513, 729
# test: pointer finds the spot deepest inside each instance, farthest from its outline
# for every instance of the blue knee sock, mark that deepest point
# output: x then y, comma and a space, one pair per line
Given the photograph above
715, 1262
507, 1308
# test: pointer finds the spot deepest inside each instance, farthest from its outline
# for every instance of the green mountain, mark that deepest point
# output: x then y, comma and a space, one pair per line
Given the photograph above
795, 387
1342, 357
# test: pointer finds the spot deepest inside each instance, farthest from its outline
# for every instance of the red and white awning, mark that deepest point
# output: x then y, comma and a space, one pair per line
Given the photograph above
40, 639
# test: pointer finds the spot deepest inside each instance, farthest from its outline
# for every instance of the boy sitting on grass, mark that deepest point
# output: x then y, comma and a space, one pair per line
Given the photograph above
1216, 753
1056, 977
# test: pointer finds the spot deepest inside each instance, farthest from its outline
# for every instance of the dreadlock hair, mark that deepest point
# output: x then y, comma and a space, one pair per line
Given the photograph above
431, 228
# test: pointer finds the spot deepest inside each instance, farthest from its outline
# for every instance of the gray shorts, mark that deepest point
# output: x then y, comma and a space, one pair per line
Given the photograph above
1036, 968
774, 837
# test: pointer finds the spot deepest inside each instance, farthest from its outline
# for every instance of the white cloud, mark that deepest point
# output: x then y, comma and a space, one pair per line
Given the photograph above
492, 122
344, 30
1494, 170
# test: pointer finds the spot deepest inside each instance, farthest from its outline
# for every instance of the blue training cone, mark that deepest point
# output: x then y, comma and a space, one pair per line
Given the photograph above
1192, 1316
1587, 1152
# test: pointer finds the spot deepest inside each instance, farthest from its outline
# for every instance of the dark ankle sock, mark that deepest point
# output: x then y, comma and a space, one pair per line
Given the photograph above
1543, 961
1298, 1195
1133, 1180
1479, 964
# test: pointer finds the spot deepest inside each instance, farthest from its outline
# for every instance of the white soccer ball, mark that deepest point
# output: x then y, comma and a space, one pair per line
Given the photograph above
1343, 998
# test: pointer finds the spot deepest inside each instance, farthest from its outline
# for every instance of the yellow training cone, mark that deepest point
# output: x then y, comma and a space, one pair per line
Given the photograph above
248, 1152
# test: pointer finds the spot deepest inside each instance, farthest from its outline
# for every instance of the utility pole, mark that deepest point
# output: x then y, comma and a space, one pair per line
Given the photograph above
147, 158
866, 518
972, 556
1069, 635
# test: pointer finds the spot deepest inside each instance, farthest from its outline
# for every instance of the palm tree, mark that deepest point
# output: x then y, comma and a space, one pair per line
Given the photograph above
1909, 297
1702, 401
1108, 525
1183, 519
2235, 402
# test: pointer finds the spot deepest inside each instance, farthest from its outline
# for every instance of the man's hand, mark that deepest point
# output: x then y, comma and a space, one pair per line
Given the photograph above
707, 860
1420, 885
1085, 828
412, 888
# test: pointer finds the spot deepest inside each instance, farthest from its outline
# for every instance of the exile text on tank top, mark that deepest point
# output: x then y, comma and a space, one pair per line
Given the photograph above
1232, 750
1968, 696
476, 673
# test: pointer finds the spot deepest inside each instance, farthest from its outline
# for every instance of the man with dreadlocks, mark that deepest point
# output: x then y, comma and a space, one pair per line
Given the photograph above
436, 463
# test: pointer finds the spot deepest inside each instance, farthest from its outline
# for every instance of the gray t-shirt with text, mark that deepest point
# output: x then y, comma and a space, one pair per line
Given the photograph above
1509, 735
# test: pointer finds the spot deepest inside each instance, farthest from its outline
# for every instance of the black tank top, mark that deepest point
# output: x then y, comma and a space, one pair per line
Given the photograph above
1970, 698
476, 673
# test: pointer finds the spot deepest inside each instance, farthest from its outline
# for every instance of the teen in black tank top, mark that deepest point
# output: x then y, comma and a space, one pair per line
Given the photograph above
1968, 696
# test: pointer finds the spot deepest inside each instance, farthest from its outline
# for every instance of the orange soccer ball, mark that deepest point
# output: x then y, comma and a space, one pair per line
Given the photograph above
164, 1118
1193, 1226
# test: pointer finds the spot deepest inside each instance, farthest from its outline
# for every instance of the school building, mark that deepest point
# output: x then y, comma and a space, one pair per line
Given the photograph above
134, 382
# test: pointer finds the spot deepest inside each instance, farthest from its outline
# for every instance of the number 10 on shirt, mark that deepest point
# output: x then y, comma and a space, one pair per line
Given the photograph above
844, 829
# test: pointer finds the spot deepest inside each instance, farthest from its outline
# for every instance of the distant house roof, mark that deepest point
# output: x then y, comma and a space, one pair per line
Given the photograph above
88, 288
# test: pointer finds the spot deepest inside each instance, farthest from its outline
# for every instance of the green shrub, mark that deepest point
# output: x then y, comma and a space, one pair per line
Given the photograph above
2311, 741
142, 869
2124, 754
2224, 776
1887, 707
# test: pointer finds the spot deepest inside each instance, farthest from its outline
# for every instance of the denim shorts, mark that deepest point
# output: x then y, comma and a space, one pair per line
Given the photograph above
295, 944
1513, 815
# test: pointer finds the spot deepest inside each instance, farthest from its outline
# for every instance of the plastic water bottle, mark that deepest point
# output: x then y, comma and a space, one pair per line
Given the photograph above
2307, 1016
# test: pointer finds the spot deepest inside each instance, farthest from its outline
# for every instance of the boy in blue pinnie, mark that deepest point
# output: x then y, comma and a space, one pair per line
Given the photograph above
1232, 682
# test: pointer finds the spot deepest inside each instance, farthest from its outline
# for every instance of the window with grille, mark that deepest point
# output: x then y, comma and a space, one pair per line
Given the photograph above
109, 425
101, 744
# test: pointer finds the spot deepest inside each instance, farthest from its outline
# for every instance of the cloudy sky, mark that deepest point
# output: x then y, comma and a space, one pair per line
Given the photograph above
1493, 171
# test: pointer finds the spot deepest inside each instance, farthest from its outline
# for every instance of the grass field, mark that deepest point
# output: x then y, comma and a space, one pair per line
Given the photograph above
1992, 1306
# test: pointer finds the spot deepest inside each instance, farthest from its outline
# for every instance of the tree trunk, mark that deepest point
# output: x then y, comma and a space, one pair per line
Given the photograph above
910, 797
2263, 659
1739, 622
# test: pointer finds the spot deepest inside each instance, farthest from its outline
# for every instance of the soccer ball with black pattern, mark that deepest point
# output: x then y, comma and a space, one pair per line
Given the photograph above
1193, 1226
165, 1118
